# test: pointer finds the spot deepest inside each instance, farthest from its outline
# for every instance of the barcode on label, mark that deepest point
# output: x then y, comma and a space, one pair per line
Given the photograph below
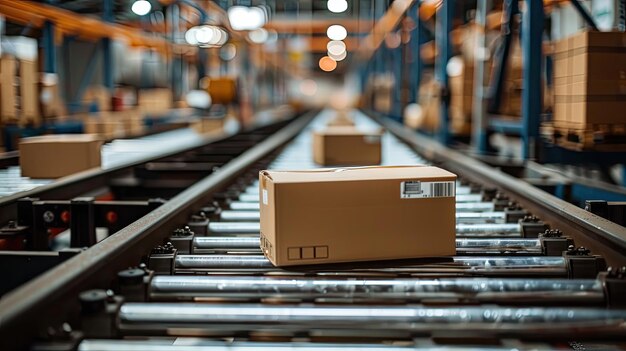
441, 189
418, 190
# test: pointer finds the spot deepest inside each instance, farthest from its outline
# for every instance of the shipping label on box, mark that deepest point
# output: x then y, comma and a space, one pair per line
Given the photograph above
356, 214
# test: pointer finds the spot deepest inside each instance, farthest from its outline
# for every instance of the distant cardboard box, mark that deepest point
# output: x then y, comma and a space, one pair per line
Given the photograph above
341, 119
356, 214
55, 156
347, 146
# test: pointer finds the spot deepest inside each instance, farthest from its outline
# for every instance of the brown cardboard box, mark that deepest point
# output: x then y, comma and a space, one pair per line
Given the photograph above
54, 156
208, 125
104, 126
341, 119
8, 87
155, 101
347, 146
590, 79
356, 214
29, 92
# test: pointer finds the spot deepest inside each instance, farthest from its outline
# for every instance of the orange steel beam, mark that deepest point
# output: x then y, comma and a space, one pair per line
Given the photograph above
317, 26
318, 44
387, 23
35, 14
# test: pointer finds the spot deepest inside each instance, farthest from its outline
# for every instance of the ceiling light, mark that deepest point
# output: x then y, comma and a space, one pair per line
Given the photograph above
258, 36
246, 18
337, 6
336, 47
336, 32
339, 57
327, 64
190, 36
141, 7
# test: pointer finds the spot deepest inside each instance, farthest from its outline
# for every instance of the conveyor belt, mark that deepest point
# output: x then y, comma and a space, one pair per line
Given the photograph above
512, 281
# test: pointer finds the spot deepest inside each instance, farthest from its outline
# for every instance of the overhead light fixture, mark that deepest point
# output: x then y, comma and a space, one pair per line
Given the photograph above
339, 57
337, 6
336, 47
206, 36
327, 64
190, 36
246, 18
336, 32
141, 7
258, 36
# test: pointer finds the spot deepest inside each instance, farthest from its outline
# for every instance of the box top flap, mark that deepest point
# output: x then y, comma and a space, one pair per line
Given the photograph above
357, 174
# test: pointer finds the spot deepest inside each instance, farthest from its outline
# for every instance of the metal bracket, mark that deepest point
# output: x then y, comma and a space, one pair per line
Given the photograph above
133, 283
99, 311
581, 264
162, 259
182, 240
531, 227
199, 224
614, 284
554, 243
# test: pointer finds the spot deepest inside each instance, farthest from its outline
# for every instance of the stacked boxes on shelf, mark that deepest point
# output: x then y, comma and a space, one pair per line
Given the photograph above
590, 90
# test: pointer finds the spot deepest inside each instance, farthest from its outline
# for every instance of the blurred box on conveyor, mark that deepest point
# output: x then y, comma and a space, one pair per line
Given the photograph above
104, 126
357, 214
209, 125
55, 156
347, 146
341, 119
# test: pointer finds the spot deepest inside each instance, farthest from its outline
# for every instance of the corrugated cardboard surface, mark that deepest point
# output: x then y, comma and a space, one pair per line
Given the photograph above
29, 92
353, 214
341, 119
590, 79
54, 156
8, 86
346, 146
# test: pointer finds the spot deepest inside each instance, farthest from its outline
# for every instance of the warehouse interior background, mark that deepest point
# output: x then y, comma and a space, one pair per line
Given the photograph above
111, 111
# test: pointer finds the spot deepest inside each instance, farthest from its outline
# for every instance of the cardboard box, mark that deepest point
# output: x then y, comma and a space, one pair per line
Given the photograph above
8, 88
29, 92
341, 119
104, 126
208, 125
155, 101
356, 214
347, 146
54, 156
590, 79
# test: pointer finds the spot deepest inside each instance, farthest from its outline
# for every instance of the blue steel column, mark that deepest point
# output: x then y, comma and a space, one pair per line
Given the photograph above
397, 62
532, 29
480, 135
107, 51
415, 70
444, 19
49, 48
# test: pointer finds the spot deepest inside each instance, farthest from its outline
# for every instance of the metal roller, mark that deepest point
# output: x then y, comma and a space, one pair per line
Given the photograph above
195, 344
460, 207
462, 290
505, 229
479, 266
350, 321
483, 245
461, 217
